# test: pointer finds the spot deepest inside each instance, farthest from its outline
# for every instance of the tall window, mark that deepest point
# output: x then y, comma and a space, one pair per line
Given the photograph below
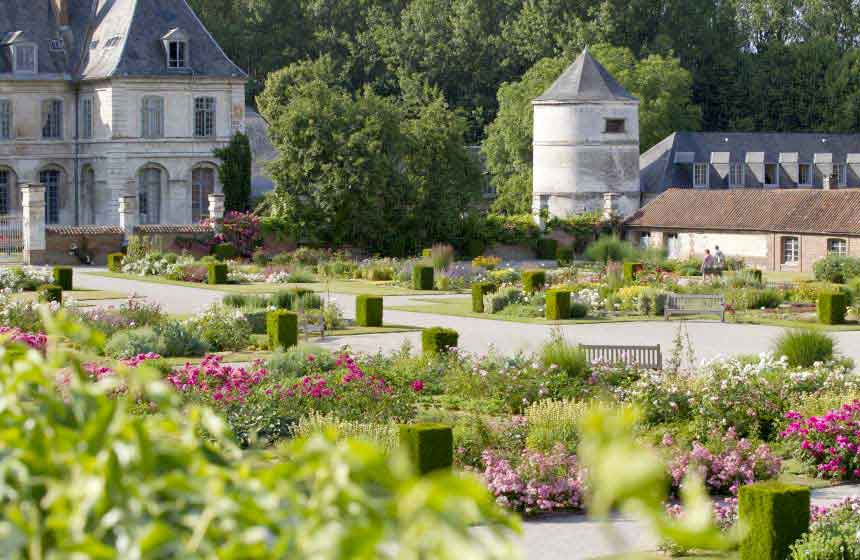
5, 187
700, 174
152, 117
790, 250
204, 117
177, 54
837, 247
5, 119
25, 59
202, 185
52, 119
736, 175
804, 174
840, 174
87, 117
771, 174
51, 179
149, 195
89, 194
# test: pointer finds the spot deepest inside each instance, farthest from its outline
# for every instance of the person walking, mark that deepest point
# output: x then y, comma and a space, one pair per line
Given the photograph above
707, 265
719, 261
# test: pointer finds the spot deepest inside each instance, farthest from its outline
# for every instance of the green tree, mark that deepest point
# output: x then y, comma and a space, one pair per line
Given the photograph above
235, 173
661, 84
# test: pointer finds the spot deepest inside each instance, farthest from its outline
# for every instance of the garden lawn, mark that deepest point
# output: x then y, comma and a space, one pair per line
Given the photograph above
77, 295
757, 318
339, 286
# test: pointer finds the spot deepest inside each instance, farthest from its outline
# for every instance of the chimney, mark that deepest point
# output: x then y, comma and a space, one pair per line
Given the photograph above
61, 12
610, 206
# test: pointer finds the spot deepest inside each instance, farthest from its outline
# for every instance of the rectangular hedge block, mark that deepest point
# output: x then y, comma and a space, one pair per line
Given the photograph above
429, 446
282, 327
547, 248
631, 269
114, 262
479, 290
422, 277
557, 305
534, 280
438, 339
63, 276
368, 311
224, 251
48, 293
775, 515
216, 273
832, 307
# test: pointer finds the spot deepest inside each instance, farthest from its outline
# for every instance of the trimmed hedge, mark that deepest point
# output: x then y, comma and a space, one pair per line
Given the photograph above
224, 251
429, 446
546, 248
832, 307
438, 339
114, 262
557, 305
564, 256
63, 277
775, 516
631, 269
479, 290
422, 277
48, 293
578, 310
216, 273
282, 327
368, 311
257, 320
533, 280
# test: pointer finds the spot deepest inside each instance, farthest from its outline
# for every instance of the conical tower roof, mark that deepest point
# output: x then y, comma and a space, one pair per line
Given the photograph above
585, 80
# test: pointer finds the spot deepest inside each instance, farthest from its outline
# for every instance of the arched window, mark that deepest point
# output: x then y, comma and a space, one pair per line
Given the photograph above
202, 185
149, 195
51, 179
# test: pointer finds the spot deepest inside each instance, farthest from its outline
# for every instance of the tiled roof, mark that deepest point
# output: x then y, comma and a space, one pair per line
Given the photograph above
84, 230
812, 211
172, 228
585, 80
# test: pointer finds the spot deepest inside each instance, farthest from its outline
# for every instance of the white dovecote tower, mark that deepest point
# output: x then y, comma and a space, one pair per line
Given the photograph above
586, 143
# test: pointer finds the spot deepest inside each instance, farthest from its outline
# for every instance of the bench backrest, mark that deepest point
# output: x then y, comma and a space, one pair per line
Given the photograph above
311, 323
695, 301
644, 356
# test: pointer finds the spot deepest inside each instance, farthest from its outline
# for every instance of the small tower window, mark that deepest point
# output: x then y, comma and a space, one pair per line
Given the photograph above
614, 126
177, 54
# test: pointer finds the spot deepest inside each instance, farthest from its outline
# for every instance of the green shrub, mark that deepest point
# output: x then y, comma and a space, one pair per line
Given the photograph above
479, 290
564, 256
441, 255
551, 422
804, 347
436, 340
533, 280
631, 269
63, 277
257, 320
48, 293
224, 251
775, 516
755, 273
283, 329
130, 343
578, 310
767, 299
546, 248
837, 269
429, 446
296, 361
222, 329
609, 248
833, 536
114, 262
422, 277
368, 311
557, 305
832, 308
283, 299
386, 436
178, 339
569, 358
216, 273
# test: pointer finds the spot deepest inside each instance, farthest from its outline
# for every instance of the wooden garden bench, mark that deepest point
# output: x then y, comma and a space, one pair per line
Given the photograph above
695, 304
648, 357
311, 323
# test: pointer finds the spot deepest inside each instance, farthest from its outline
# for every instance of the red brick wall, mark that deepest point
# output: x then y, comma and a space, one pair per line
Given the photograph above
97, 245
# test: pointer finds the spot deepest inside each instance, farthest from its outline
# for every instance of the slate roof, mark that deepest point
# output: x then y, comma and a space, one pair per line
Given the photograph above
658, 171
799, 211
136, 27
585, 80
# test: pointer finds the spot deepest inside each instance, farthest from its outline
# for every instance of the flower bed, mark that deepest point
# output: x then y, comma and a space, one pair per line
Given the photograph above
829, 443
36, 341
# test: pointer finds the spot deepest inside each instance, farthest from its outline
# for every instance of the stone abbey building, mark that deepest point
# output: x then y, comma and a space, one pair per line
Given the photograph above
107, 98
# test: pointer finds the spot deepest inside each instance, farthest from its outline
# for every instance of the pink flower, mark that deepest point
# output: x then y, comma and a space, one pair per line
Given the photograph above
417, 385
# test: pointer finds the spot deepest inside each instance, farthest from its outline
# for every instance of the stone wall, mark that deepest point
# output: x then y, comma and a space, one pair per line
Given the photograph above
195, 240
63, 244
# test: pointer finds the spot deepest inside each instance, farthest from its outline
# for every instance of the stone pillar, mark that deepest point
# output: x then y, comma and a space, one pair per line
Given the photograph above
216, 211
128, 214
33, 202
610, 205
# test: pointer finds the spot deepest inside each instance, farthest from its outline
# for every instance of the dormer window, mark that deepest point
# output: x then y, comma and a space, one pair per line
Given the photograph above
176, 49
24, 57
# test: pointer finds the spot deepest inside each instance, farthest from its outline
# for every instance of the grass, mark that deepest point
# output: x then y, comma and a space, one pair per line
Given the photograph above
787, 276
77, 295
339, 286
753, 318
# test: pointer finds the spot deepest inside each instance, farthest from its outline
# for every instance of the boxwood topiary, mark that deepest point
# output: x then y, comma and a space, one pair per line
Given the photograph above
282, 328
63, 277
578, 310
564, 256
631, 269
533, 280
224, 251
114, 262
832, 307
368, 311
479, 290
216, 273
49, 293
422, 277
429, 446
557, 305
438, 339
775, 515
546, 248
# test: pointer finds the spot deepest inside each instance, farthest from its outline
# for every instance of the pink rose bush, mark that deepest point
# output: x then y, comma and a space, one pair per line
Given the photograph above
829, 443
216, 381
540, 482
36, 341
737, 462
